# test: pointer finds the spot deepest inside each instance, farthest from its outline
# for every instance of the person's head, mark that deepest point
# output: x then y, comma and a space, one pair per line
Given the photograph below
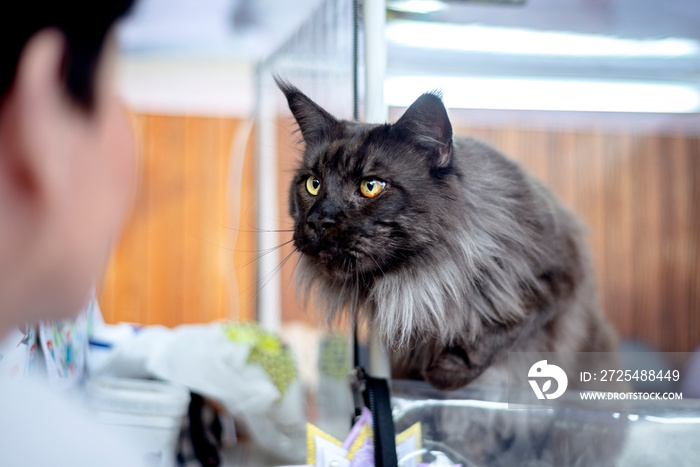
67, 164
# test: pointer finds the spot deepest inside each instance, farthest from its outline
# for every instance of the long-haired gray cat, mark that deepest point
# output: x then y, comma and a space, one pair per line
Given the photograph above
453, 253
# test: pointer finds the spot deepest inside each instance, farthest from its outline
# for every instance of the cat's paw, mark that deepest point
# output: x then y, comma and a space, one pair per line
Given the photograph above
450, 369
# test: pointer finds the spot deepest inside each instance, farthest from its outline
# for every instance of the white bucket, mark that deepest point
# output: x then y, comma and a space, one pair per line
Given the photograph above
147, 413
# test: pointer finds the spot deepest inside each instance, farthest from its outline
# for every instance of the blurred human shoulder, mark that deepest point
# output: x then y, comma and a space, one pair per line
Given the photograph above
41, 427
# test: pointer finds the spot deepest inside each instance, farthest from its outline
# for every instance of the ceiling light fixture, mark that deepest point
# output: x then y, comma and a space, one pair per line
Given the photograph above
416, 6
492, 39
547, 94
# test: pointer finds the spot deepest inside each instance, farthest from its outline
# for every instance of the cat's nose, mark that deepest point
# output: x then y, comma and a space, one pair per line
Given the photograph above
319, 224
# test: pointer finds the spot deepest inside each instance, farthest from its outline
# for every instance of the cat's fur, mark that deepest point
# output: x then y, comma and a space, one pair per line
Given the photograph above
462, 258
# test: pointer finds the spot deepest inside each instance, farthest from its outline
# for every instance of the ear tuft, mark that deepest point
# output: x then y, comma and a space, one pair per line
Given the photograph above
314, 122
427, 125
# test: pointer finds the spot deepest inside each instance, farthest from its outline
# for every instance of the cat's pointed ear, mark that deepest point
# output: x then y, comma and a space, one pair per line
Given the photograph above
314, 122
426, 124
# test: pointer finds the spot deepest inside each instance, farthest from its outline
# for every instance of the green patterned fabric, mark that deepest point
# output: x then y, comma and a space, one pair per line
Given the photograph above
266, 350
335, 357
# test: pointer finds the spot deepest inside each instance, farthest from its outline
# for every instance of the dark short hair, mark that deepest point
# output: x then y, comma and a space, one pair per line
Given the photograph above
84, 24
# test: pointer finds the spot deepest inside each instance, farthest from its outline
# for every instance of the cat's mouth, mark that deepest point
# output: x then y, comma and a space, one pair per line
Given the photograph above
346, 258
343, 263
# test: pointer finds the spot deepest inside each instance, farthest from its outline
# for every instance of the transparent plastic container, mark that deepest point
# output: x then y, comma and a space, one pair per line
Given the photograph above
478, 427
148, 413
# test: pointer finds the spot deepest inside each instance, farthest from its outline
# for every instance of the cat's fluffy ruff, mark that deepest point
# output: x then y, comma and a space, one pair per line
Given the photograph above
477, 259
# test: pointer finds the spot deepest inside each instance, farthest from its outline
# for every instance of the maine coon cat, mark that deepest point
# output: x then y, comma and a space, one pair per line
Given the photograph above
453, 253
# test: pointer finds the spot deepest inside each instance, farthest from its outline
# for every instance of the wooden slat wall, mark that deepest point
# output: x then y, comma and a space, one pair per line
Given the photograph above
179, 260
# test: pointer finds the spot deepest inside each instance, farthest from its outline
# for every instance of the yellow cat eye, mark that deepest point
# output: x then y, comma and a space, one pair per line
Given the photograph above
369, 188
313, 185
